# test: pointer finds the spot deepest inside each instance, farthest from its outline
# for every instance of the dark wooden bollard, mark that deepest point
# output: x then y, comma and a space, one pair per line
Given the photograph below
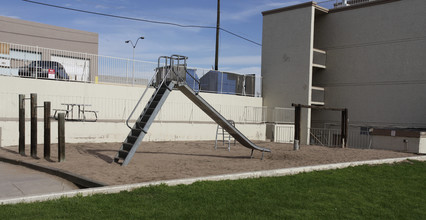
46, 150
22, 124
61, 137
344, 130
33, 125
297, 118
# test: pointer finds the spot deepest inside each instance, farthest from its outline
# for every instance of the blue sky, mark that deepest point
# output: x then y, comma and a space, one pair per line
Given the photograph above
239, 16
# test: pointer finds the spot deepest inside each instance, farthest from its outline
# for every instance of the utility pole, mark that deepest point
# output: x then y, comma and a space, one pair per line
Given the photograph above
216, 63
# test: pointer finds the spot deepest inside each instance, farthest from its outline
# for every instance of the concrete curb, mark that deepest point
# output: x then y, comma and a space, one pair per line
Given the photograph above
256, 174
81, 181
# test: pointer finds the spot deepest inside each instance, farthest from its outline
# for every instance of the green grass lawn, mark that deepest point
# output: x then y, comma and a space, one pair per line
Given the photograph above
395, 191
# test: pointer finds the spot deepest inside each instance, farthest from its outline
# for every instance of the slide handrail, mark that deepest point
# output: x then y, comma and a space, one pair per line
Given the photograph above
148, 85
178, 58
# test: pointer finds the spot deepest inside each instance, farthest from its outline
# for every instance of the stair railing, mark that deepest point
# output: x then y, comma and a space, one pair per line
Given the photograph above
166, 58
169, 63
178, 58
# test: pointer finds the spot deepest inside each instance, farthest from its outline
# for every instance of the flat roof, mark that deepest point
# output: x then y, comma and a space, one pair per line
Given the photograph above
288, 8
325, 10
44, 26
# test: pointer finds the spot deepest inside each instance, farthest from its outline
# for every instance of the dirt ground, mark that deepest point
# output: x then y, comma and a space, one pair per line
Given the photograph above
175, 160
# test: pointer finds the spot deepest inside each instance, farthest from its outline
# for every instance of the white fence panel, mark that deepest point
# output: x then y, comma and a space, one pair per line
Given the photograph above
284, 133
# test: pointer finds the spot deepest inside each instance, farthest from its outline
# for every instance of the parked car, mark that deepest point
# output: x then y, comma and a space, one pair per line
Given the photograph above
43, 69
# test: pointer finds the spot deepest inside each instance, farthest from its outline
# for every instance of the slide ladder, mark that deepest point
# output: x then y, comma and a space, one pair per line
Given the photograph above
144, 121
225, 135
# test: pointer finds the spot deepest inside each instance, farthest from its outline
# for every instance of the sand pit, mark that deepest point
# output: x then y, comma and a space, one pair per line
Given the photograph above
174, 160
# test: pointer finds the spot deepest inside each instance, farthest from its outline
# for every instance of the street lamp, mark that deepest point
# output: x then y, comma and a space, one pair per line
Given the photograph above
134, 46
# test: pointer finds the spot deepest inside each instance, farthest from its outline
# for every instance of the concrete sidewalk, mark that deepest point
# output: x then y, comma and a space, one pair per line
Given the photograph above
18, 181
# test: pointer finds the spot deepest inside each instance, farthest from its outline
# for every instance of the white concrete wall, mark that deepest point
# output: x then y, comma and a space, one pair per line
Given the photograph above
422, 144
178, 120
404, 144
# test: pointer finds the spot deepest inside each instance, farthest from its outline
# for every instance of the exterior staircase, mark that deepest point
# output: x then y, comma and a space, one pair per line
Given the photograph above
140, 128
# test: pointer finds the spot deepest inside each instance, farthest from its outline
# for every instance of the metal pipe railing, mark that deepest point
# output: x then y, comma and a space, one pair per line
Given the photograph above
46, 63
146, 89
169, 65
178, 58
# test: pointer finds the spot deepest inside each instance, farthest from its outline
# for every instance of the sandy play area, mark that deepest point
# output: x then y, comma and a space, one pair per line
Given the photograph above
174, 160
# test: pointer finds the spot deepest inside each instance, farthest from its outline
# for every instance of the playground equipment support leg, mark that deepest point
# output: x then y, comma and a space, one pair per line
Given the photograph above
22, 124
61, 137
46, 150
33, 125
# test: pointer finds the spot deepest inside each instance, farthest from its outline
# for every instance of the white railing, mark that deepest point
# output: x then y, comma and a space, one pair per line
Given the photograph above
357, 137
118, 109
340, 3
284, 133
278, 115
343, 3
46, 63
325, 137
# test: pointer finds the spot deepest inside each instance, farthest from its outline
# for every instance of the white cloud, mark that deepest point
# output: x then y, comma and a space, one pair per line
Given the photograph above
11, 16
185, 16
101, 7
256, 10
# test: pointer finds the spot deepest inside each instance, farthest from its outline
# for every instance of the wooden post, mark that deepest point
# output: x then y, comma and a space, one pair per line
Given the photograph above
297, 116
33, 125
344, 128
46, 150
61, 137
21, 124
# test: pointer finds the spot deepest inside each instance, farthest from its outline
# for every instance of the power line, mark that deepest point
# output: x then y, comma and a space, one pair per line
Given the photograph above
229, 32
142, 20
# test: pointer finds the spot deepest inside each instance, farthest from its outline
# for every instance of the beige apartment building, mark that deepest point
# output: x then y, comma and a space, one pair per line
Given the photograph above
368, 57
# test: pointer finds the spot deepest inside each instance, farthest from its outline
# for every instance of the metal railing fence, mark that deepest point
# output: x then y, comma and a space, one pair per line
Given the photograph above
358, 137
284, 133
278, 115
341, 3
118, 109
46, 63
